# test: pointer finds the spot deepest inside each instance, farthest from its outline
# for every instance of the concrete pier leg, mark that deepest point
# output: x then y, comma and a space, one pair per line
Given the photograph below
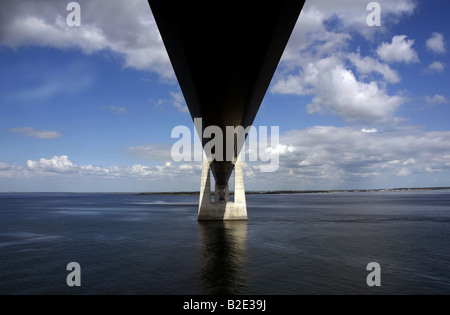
205, 188
221, 193
222, 208
240, 203
216, 193
227, 194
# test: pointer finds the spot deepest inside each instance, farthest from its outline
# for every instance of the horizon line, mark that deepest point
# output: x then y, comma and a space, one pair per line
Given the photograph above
277, 191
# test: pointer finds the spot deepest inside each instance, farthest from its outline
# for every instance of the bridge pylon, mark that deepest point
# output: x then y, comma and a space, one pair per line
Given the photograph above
222, 208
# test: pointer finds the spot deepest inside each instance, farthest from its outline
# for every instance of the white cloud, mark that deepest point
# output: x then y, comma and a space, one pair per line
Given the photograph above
399, 50
141, 170
11, 171
126, 28
321, 156
186, 167
133, 33
61, 165
436, 43
371, 130
368, 65
333, 155
318, 61
178, 102
336, 89
280, 149
402, 172
6, 169
435, 67
435, 100
327, 157
349, 16
35, 133
57, 164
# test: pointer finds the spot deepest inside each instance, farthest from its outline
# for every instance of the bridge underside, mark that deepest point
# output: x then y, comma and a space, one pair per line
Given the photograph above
224, 54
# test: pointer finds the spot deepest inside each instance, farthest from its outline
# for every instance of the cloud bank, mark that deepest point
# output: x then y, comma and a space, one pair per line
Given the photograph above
36, 133
323, 155
124, 28
319, 63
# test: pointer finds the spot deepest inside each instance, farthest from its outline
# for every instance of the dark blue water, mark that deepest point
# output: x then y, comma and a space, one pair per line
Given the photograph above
291, 244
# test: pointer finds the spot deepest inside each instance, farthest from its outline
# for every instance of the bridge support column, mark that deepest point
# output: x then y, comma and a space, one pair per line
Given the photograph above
205, 186
221, 193
222, 208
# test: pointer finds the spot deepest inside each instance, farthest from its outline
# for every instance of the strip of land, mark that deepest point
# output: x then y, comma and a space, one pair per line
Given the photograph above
189, 193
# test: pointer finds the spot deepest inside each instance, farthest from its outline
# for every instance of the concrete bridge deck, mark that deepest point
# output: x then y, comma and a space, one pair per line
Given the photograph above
224, 54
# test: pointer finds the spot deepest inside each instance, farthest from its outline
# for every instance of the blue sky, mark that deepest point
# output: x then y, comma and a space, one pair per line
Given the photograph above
91, 108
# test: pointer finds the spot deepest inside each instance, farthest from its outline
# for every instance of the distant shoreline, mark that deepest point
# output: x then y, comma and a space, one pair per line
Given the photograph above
278, 192
257, 192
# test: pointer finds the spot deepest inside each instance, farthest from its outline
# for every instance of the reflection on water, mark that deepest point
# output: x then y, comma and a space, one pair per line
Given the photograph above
223, 256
